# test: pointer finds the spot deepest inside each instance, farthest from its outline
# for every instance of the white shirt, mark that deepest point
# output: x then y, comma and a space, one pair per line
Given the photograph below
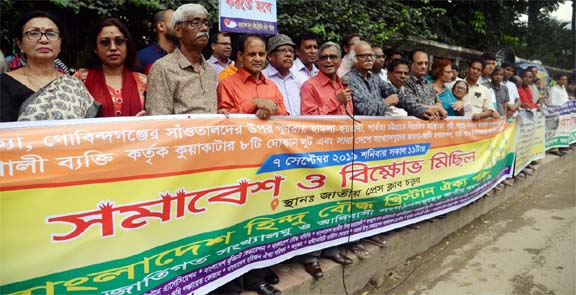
512, 91
558, 95
301, 71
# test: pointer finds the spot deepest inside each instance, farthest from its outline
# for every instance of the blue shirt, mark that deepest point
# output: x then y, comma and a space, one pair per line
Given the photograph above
447, 99
149, 55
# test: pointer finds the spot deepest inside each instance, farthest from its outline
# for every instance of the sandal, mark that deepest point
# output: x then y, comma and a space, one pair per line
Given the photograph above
359, 251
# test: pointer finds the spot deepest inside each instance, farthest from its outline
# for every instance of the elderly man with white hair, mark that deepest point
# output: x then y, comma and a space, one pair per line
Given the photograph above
182, 82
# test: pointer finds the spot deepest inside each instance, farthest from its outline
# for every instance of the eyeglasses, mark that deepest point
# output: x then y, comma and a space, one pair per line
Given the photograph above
223, 43
366, 56
196, 23
327, 57
285, 51
37, 35
422, 63
460, 88
118, 42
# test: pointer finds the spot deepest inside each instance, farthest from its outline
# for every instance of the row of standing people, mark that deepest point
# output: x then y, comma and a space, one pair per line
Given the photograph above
267, 79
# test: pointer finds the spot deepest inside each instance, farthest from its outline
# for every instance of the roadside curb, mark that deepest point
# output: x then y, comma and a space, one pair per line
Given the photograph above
402, 243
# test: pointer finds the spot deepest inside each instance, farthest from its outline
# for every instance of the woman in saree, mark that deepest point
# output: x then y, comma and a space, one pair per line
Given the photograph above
110, 78
37, 91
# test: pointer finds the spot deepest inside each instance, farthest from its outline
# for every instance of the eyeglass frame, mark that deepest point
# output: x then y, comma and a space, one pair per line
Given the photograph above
27, 34
327, 57
197, 23
366, 56
123, 42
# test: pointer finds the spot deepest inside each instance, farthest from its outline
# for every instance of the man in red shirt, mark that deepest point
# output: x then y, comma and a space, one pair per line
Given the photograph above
248, 91
324, 93
525, 92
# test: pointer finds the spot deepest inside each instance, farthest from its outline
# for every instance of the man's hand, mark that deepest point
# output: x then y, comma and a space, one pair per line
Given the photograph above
263, 114
457, 106
392, 100
224, 112
344, 96
263, 103
435, 113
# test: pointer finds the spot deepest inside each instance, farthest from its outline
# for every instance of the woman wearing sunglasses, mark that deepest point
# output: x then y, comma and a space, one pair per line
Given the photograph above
110, 78
37, 91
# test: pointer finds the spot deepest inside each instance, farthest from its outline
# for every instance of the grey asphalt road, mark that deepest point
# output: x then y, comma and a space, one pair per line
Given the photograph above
527, 246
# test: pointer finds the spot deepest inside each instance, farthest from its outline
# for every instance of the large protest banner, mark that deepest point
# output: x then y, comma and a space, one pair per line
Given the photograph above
177, 205
530, 139
561, 125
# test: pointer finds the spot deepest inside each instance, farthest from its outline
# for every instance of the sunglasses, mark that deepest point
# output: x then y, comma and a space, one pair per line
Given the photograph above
107, 42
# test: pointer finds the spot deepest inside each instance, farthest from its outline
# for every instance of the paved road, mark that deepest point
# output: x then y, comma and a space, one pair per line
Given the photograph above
525, 247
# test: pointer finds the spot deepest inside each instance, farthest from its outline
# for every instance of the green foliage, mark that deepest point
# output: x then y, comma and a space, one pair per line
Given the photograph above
376, 21
476, 24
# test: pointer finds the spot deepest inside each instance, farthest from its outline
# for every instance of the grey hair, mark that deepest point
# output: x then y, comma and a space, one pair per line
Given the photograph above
352, 52
327, 45
185, 10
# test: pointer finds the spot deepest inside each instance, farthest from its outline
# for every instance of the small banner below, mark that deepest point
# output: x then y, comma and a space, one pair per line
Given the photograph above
561, 125
529, 139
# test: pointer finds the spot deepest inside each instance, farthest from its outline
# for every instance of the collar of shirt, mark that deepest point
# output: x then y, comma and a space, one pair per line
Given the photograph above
325, 80
271, 71
418, 81
299, 66
156, 47
214, 60
245, 76
473, 85
183, 62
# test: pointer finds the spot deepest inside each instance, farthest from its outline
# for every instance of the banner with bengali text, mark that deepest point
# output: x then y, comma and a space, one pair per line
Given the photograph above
561, 125
181, 205
530, 139
248, 16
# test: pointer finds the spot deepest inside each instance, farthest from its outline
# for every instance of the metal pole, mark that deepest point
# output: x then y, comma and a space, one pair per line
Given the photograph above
574, 37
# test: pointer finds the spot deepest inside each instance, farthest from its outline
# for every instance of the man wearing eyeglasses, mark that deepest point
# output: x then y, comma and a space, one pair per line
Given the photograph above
417, 85
372, 96
221, 52
324, 94
182, 82
279, 70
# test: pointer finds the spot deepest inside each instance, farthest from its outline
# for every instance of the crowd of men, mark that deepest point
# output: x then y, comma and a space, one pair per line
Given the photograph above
302, 76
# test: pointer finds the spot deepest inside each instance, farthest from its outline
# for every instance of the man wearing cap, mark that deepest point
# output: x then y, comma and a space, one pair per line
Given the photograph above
281, 60
248, 91
182, 82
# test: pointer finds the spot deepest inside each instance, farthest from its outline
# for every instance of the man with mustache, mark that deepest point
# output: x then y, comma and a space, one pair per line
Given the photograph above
166, 40
248, 91
372, 96
221, 51
279, 71
183, 82
304, 66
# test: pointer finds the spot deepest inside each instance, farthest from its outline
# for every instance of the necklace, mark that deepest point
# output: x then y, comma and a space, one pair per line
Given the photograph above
36, 85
